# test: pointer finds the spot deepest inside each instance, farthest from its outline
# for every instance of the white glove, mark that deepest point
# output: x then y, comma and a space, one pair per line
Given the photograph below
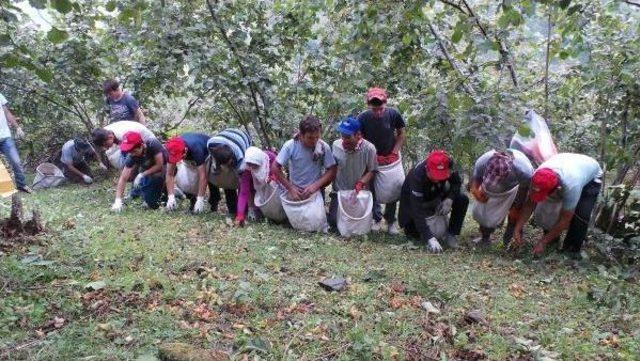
103, 166
117, 205
87, 179
199, 206
445, 206
434, 245
19, 133
171, 202
136, 182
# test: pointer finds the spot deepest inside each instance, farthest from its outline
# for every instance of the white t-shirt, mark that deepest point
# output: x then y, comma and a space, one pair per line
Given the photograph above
575, 171
123, 126
5, 132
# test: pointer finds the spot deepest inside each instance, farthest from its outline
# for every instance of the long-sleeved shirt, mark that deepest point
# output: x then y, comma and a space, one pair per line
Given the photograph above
246, 187
421, 196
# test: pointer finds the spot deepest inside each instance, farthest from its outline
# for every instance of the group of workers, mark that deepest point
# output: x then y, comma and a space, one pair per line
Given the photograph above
504, 183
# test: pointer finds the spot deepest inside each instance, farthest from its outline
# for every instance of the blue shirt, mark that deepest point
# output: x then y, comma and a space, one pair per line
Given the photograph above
305, 164
123, 108
197, 151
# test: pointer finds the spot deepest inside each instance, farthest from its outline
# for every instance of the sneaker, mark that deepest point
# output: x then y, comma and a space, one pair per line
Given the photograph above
375, 226
145, 205
25, 189
452, 241
393, 229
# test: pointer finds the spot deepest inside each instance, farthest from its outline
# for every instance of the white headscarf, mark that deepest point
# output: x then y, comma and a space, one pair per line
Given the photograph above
255, 155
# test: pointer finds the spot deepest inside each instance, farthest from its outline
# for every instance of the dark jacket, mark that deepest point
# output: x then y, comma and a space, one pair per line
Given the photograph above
420, 197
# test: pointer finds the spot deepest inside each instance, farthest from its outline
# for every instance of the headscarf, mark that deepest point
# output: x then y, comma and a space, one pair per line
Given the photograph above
255, 155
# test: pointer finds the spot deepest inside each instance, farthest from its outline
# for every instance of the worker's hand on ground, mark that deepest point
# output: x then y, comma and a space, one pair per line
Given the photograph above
198, 207
433, 245
137, 180
20, 133
539, 248
517, 241
103, 166
87, 179
479, 194
171, 203
445, 206
117, 205
239, 221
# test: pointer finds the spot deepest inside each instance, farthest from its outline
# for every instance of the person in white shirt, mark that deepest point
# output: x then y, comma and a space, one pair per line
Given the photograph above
8, 146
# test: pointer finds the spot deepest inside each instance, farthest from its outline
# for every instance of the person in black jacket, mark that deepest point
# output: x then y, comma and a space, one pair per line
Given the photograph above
433, 188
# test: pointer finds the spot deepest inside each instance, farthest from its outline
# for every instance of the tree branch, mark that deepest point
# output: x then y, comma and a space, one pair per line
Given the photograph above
252, 85
632, 3
450, 59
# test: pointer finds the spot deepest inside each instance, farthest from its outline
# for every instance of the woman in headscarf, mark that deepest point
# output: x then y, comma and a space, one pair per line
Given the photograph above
255, 175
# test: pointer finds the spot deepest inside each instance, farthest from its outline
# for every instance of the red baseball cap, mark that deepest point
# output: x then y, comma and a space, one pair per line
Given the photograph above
175, 147
543, 182
438, 165
376, 93
130, 140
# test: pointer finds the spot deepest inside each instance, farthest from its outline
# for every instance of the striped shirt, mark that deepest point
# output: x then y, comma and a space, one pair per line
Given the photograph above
235, 139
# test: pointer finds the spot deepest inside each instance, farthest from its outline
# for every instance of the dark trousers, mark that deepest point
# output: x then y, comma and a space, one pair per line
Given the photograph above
456, 219
230, 197
73, 177
582, 215
151, 190
332, 216
389, 209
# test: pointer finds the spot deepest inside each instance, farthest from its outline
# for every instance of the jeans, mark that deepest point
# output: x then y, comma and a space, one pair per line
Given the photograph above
332, 216
151, 189
9, 150
389, 209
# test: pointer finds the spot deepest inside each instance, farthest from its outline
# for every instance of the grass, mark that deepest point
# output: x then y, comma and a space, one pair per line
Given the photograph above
253, 291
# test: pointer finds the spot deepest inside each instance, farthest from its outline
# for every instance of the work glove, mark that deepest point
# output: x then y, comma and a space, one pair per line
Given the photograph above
445, 207
199, 206
117, 205
87, 179
359, 187
171, 203
103, 166
433, 245
137, 180
20, 133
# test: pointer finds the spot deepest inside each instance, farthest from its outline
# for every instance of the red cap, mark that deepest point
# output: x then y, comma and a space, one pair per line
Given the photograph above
130, 140
376, 93
543, 182
438, 164
175, 147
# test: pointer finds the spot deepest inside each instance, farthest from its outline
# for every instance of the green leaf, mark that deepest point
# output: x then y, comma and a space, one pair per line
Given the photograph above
57, 36
110, 6
10, 61
44, 74
63, 6
406, 39
457, 35
38, 4
5, 39
525, 131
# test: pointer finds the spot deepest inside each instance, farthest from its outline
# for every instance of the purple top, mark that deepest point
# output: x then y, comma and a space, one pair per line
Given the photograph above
246, 186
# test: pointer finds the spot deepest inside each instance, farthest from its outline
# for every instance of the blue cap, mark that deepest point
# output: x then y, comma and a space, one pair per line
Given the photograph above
348, 126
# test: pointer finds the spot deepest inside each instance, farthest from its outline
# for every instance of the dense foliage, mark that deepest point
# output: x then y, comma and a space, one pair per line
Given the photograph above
461, 72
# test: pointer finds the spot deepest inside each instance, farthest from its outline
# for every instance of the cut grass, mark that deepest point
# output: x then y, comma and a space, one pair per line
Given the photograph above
192, 279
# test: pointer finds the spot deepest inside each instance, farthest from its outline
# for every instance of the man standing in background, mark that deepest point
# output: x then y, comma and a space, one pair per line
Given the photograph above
8, 146
122, 106
384, 127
